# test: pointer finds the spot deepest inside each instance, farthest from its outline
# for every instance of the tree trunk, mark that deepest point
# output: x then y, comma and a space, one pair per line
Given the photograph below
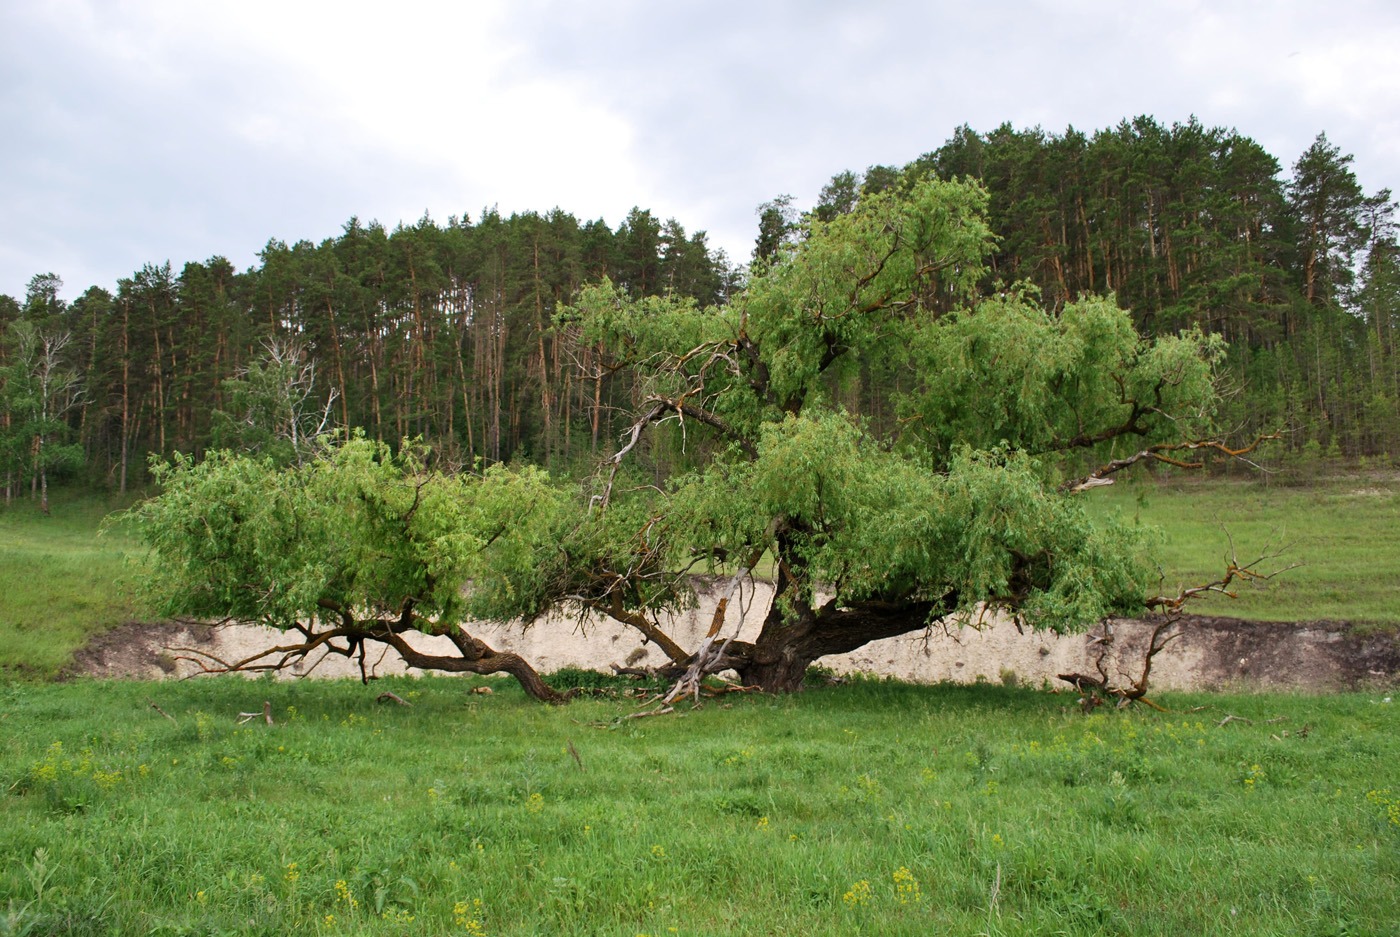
792, 640
43, 476
339, 360
160, 388
126, 392
784, 673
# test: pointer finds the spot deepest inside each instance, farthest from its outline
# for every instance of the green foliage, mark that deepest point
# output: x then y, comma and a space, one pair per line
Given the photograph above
867, 523
431, 329
631, 332
37, 390
1009, 372
777, 227
1038, 552
273, 407
1193, 226
60, 581
1328, 201
844, 288
955, 508
360, 526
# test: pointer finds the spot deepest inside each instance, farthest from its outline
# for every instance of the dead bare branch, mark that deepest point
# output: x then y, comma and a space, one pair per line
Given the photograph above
633, 435
1230, 717
573, 753
1161, 453
1234, 571
659, 410
710, 657
266, 714
1095, 689
161, 711
651, 712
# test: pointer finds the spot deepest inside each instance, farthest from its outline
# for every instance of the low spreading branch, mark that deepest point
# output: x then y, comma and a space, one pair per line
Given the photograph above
649, 630
350, 638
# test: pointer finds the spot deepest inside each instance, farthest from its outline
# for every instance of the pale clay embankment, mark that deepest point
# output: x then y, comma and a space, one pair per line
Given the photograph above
1213, 653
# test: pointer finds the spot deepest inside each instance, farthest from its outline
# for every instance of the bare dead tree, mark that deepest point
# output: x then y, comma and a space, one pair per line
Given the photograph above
276, 398
1096, 687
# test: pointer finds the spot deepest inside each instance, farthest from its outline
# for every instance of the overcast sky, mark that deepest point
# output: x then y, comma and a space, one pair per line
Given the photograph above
156, 130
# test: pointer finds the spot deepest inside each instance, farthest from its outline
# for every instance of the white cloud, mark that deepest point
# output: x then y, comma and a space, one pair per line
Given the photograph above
155, 129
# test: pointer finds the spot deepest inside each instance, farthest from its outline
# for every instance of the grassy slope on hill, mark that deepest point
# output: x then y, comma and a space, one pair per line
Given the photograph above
58, 580
867, 808
1344, 530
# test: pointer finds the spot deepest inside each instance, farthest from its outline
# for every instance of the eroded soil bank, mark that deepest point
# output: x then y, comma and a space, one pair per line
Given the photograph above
1212, 653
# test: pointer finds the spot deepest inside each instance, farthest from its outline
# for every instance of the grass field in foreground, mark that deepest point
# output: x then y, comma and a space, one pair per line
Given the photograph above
58, 580
870, 808
1344, 530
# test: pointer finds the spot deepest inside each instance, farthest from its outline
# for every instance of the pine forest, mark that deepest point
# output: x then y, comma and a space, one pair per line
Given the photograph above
449, 332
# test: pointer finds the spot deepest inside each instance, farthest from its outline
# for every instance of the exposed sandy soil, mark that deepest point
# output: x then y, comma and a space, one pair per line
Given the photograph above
1212, 653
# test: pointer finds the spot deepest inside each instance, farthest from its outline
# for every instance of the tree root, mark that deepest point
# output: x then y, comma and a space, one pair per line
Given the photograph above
1095, 690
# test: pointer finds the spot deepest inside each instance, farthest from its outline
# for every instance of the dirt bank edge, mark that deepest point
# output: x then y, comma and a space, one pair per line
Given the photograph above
1213, 653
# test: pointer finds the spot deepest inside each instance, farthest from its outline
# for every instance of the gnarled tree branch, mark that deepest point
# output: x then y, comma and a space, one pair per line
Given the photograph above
1162, 453
473, 655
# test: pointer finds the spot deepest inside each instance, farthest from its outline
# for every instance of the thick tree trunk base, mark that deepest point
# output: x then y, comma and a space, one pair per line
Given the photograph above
787, 645
784, 675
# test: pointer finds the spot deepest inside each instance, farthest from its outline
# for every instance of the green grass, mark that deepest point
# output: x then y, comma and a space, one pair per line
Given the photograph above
58, 580
1344, 530
871, 808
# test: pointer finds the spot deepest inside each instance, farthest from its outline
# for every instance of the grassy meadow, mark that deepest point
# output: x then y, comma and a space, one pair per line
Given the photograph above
59, 580
1343, 530
871, 808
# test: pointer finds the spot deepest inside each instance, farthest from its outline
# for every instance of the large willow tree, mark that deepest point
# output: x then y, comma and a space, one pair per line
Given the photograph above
1004, 414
